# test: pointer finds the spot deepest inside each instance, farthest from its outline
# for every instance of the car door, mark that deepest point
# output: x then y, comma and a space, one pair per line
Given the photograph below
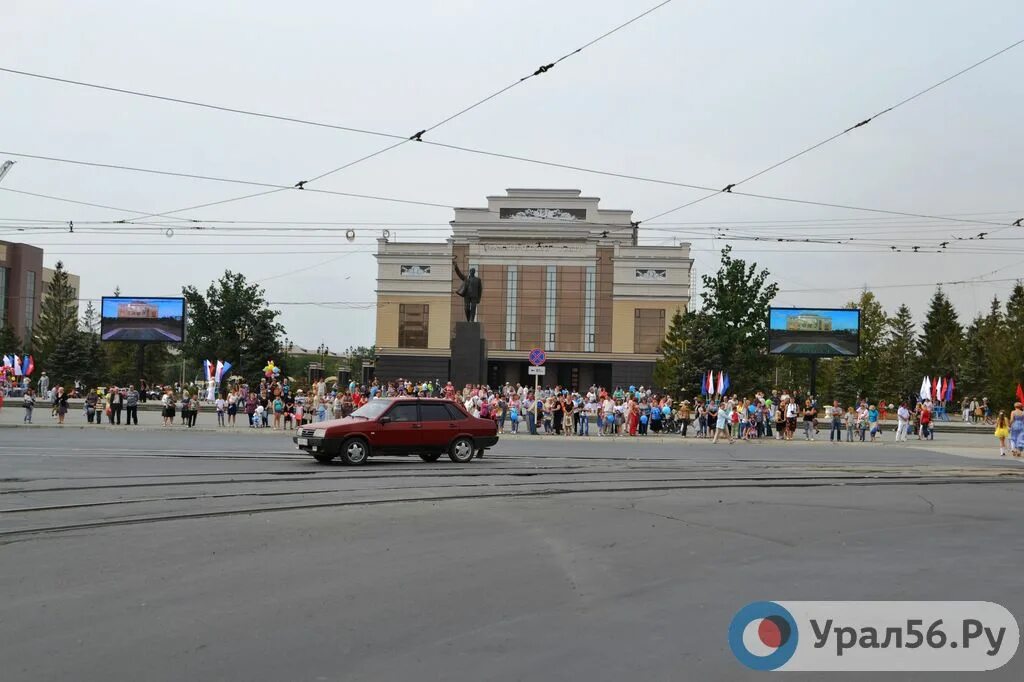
399, 428
438, 425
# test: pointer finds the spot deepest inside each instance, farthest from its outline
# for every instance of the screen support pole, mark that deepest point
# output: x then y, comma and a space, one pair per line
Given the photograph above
140, 363
814, 378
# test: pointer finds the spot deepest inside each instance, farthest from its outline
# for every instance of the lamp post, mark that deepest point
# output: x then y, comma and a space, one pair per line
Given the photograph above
323, 351
4, 167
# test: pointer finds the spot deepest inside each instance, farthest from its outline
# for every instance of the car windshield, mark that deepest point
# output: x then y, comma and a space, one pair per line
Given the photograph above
372, 409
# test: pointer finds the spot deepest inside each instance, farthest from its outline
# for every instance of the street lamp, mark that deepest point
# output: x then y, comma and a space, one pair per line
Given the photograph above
4, 167
323, 351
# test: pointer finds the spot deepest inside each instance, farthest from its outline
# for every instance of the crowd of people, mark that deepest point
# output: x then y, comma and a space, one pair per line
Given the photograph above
630, 412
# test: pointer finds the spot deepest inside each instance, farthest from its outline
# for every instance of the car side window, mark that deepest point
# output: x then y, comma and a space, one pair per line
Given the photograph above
434, 412
454, 412
403, 413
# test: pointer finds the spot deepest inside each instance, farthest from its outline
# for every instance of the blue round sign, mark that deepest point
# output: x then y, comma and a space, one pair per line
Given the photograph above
537, 357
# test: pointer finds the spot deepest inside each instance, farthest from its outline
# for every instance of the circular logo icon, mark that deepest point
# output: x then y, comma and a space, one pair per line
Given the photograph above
763, 635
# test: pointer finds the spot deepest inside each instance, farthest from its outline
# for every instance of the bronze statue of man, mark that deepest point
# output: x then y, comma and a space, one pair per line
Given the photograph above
470, 291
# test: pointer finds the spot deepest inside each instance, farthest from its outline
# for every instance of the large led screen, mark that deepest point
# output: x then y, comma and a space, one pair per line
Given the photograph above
814, 332
143, 320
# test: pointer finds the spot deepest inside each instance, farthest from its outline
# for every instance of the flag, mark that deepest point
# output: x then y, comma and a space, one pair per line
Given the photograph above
8, 362
923, 394
1020, 393
30, 366
224, 371
725, 382
940, 389
703, 384
935, 383
709, 383
217, 373
720, 387
17, 366
209, 369
949, 389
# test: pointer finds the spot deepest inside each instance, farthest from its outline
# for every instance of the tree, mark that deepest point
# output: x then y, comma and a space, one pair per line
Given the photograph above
864, 371
667, 373
941, 338
232, 322
737, 298
10, 344
899, 377
90, 320
58, 317
730, 333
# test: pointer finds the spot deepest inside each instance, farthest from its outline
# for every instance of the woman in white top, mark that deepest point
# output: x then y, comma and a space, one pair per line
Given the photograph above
722, 424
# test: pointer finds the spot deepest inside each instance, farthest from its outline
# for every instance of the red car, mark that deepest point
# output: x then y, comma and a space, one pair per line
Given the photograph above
427, 427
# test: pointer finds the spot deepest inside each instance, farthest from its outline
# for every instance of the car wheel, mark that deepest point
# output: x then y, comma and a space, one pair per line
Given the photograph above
430, 456
355, 451
461, 450
323, 457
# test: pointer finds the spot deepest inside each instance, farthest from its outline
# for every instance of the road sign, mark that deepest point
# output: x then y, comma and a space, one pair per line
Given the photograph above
536, 370
537, 357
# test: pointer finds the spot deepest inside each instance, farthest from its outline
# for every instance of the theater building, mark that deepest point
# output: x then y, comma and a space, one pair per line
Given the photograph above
559, 273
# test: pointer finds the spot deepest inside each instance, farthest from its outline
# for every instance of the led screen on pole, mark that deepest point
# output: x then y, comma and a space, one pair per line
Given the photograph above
143, 320
814, 332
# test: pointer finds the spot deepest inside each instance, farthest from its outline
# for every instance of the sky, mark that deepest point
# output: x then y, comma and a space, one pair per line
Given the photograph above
841, 319
165, 307
698, 93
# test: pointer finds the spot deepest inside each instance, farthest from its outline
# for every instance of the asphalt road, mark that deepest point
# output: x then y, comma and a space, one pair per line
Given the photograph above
167, 555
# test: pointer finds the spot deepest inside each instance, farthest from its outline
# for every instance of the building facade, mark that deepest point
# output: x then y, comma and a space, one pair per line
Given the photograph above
559, 273
21, 282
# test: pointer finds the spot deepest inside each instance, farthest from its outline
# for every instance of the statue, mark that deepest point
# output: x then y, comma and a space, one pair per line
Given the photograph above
470, 291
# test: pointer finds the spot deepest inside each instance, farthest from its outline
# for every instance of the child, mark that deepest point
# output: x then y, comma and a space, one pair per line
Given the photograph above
1002, 431
220, 411
513, 415
30, 403
258, 417
851, 421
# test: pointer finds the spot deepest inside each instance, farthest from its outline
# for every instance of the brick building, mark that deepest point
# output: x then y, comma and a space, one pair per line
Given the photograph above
558, 273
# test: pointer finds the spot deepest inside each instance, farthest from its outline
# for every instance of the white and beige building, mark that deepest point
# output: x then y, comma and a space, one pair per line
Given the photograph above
559, 273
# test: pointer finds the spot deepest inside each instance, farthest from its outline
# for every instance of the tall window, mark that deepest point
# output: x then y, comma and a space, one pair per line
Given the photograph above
589, 314
550, 315
412, 325
648, 329
3, 296
511, 305
30, 301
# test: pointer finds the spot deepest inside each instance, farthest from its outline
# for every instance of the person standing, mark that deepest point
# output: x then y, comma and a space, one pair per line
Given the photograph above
116, 405
873, 427
220, 405
809, 415
29, 402
1017, 429
1002, 431
836, 431
131, 403
92, 400
926, 422
902, 423
232, 407
44, 386
61, 401
193, 411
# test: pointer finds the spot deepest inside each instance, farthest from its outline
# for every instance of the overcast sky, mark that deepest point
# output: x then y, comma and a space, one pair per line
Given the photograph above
701, 93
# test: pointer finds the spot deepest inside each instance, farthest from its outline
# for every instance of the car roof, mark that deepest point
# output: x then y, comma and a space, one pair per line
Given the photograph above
411, 398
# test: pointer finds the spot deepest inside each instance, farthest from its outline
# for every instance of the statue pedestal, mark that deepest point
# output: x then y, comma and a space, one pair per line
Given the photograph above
469, 355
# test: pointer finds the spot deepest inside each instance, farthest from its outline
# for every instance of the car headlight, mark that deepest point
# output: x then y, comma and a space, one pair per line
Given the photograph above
320, 433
